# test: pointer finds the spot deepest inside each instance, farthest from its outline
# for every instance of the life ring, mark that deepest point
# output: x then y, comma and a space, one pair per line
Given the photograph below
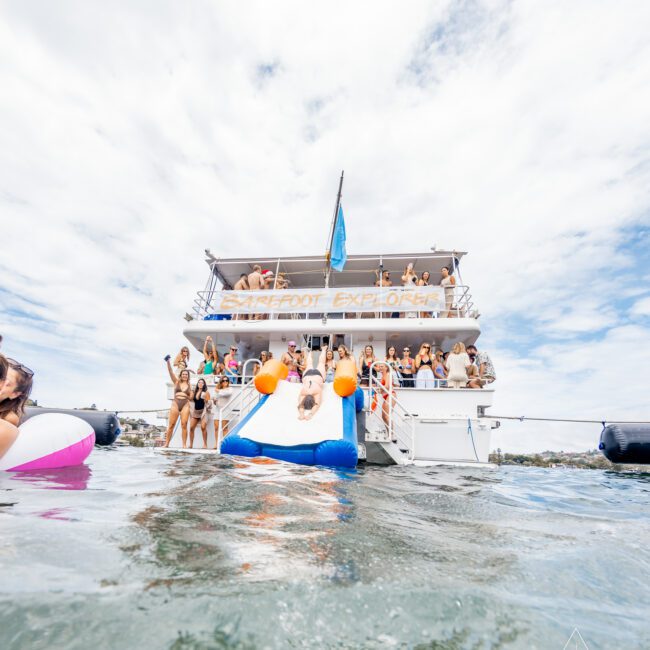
49, 441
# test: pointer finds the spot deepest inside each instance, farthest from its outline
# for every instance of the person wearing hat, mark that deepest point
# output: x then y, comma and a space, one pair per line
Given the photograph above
291, 358
269, 279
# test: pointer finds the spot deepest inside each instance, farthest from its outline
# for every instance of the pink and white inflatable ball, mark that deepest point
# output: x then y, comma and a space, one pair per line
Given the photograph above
49, 441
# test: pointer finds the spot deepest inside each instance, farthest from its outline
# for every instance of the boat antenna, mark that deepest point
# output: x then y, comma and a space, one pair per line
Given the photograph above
328, 254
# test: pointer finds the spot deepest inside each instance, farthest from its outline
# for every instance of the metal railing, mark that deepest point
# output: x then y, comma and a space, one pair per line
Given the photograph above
236, 408
400, 426
461, 306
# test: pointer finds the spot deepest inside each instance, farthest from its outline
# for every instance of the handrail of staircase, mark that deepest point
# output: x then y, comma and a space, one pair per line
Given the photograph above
397, 413
243, 370
245, 391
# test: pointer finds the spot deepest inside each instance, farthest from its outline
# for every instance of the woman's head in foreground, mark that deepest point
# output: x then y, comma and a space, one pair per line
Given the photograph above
15, 389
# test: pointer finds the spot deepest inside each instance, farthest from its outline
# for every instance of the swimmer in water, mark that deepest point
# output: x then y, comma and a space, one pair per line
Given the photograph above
15, 387
312, 386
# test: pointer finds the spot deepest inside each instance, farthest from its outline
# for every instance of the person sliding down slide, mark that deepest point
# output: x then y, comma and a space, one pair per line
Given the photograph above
312, 386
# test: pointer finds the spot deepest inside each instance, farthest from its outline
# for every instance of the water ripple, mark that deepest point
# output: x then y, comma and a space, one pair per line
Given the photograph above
153, 550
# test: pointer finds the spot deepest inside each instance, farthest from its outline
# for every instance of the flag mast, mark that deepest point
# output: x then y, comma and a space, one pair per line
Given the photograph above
328, 255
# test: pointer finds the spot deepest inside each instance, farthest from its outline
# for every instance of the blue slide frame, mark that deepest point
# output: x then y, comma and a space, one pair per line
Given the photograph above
330, 453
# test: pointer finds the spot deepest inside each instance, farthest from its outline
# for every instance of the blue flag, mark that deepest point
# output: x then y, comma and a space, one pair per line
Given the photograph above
338, 255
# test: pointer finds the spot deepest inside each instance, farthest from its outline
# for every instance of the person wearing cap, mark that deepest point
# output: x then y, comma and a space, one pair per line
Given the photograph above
292, 358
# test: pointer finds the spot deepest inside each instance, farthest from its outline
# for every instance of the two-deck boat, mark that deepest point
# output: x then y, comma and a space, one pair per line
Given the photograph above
427, 426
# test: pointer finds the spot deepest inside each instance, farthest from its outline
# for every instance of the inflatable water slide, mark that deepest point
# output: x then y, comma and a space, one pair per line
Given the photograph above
272, 427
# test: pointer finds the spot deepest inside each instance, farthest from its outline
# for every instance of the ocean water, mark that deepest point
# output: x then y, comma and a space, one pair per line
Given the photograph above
139, 549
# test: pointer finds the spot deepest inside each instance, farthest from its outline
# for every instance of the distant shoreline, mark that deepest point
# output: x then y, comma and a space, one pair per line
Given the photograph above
592, 459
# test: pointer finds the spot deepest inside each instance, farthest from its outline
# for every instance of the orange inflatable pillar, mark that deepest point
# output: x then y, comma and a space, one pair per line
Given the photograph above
345, 377
266, 380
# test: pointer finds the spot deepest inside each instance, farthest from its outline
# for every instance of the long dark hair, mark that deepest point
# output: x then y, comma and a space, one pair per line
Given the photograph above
24, 388
198, 390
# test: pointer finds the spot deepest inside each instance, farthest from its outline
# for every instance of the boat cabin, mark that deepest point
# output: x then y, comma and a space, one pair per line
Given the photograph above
365, 304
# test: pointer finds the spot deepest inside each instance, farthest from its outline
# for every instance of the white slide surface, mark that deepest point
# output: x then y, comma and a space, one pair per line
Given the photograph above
276, 421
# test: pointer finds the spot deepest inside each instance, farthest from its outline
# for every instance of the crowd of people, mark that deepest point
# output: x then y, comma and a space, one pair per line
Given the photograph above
262, 279
197, 404
411, 279
15, 388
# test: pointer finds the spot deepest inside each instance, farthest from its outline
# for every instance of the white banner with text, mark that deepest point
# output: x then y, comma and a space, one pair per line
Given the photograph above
329, 301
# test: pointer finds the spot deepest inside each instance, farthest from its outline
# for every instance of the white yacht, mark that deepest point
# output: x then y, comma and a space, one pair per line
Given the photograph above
316, 307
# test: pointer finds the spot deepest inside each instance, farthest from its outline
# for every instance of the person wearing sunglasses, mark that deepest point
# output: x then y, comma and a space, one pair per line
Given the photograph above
182, 360
407, 369
231, 365
424, 367
15, 389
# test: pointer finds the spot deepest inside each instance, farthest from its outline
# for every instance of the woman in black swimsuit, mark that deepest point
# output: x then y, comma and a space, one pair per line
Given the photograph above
424, 364
312, 386
366, 360
198, 412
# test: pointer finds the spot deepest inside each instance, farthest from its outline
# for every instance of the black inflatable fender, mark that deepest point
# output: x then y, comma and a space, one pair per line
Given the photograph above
626, 443
105, 423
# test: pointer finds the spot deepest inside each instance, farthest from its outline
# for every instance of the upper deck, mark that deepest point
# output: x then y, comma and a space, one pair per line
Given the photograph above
304, 300
369, 287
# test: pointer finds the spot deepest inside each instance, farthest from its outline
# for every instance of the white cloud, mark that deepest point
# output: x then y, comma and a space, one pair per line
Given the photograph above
641, 307
134, 137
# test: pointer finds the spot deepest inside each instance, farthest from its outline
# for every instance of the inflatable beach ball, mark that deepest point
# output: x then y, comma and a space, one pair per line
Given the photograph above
49, 441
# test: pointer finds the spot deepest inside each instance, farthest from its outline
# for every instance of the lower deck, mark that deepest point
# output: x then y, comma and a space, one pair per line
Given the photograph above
253, 337
427, 426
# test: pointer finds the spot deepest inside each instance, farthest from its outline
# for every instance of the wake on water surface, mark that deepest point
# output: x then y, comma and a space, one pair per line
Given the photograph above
137, 549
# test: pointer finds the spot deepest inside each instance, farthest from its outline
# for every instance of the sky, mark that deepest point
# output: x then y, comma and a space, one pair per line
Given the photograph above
136, 135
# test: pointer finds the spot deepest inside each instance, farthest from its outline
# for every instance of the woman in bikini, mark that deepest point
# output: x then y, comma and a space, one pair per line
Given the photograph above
408, 368
313, 380
264, 357
182, 360
198, 412
231, 365
385, 392
366, 359
424, 365
439, 370
425, 281
15, 389
409, 278
330, 366
210, 356
180, 404
395, 364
